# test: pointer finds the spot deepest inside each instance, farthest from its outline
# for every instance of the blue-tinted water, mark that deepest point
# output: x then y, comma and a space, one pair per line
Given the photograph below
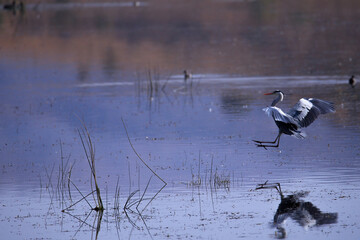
195, 134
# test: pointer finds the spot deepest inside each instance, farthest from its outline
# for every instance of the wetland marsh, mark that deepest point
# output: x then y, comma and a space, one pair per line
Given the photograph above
66, 65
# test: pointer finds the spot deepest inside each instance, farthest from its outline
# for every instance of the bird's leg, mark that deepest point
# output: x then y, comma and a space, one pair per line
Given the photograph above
271, 185
265, 146
257, 141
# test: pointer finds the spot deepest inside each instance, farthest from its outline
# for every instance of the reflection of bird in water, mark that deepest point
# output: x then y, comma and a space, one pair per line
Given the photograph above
187, 75
352, 81
13, 6
304, 213
300, 116
10, 6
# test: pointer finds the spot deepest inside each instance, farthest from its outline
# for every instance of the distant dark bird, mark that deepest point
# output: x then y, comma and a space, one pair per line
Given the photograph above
352, 81
22, 6
187, 75
304, 213
301, 115
13, 6
10, 6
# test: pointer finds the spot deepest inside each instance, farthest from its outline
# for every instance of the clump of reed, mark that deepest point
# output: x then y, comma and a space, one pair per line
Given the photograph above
196, 179
221, 180
216, 180
153, 83
62, 186
65, 170
89, 150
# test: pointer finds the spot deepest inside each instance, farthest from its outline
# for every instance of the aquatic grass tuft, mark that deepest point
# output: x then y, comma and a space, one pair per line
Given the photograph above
196, 179
89, 150
221, 180
63, 175
216, 180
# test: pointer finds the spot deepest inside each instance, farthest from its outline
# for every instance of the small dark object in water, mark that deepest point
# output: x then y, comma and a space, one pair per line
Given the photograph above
13, 6
21, 6
10, 6
187, 75
352, 81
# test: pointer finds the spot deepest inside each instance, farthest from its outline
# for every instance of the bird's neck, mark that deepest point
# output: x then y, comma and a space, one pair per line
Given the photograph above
279, 98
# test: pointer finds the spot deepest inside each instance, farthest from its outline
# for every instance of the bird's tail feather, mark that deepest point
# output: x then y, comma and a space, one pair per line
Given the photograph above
299, 134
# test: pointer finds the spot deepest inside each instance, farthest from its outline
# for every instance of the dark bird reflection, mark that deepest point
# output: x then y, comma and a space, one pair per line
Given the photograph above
293, 206
15, 6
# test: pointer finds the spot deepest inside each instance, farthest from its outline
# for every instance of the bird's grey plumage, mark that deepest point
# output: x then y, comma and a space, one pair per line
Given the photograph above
323, 106
308, 109
291, 127
304, 112
278, 115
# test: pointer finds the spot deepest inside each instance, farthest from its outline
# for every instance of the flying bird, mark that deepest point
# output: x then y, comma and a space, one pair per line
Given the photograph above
300, 116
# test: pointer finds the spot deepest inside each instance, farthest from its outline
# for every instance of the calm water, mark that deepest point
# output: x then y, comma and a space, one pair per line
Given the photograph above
61, 64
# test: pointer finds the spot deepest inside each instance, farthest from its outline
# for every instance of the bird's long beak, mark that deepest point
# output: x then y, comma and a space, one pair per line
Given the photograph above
268, 93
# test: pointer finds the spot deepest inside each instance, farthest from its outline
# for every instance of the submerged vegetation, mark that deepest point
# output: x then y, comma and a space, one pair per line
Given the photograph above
216, 179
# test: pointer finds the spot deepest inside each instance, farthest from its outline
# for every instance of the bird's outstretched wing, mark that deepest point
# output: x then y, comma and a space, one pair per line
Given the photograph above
323, 106
307, 110
278, 114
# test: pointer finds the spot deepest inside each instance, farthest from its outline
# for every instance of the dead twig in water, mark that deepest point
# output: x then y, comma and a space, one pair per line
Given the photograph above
127, 208
142, 198
83, 198
138, 212
139, 155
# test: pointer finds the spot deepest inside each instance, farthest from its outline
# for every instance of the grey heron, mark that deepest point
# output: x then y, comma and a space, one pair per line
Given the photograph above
305, 111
